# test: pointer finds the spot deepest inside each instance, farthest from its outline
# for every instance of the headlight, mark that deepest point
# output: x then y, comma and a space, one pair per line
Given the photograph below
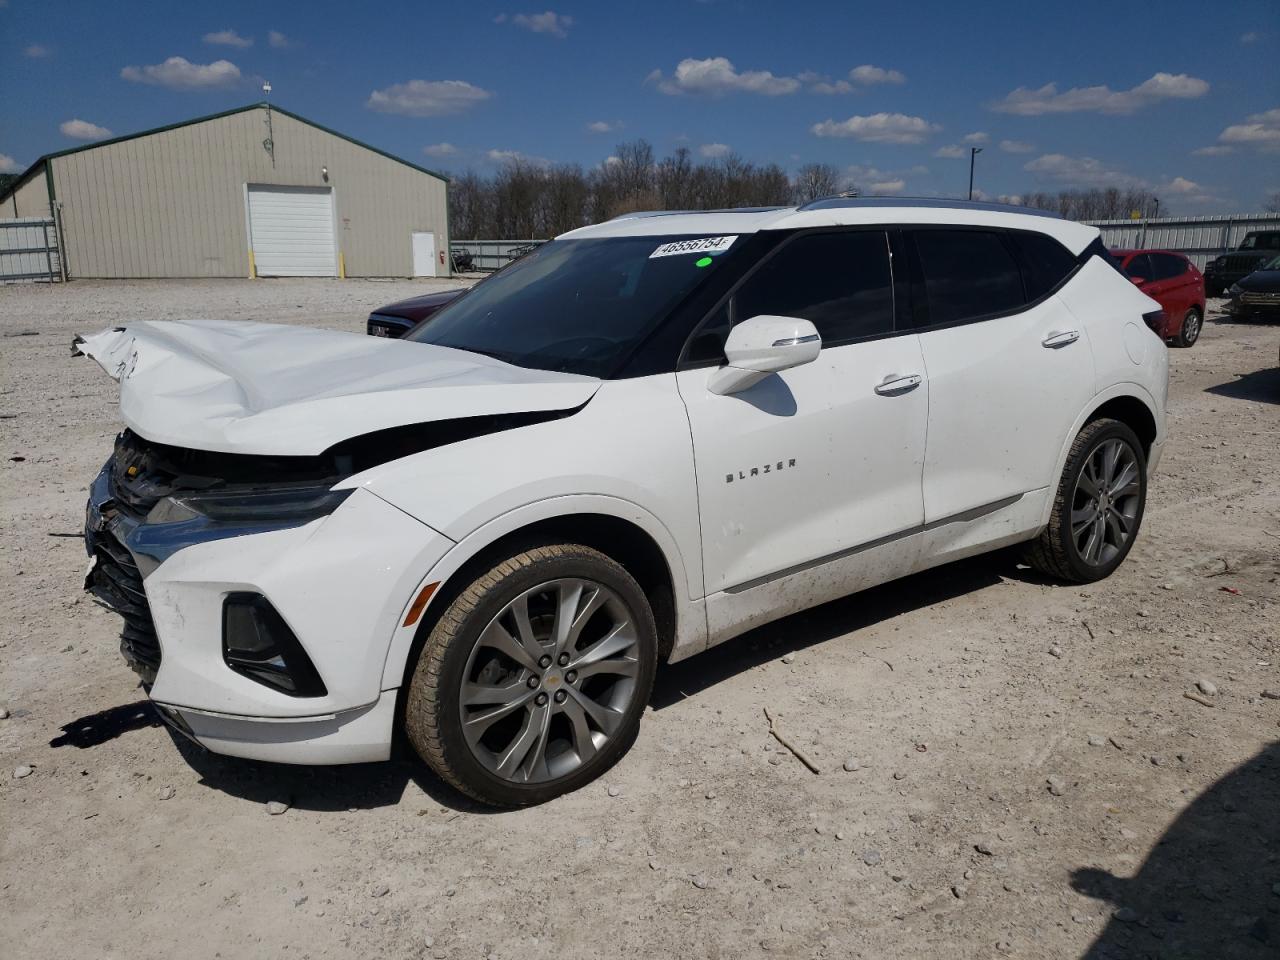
1235, 290
295, 504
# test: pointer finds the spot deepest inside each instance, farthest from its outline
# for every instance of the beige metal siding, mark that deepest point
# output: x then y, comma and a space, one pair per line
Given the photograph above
172, 203
29, 200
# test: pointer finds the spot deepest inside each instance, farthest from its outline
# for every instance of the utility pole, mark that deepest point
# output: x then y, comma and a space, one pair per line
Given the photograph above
973, 152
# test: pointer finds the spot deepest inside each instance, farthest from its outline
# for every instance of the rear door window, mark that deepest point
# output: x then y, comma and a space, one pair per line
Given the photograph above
968, 274
1167, 267
1139, 267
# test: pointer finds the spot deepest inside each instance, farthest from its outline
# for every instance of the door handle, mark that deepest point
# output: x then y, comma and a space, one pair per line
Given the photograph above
893, 385
1055, 340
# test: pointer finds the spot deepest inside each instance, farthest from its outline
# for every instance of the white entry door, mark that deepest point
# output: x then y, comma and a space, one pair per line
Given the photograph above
424, 255
291, 231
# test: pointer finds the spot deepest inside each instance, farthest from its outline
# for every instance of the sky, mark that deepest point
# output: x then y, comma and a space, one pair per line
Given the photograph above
1181, 98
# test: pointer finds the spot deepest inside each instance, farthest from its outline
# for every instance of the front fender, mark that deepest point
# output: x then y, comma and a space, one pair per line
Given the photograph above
691, 623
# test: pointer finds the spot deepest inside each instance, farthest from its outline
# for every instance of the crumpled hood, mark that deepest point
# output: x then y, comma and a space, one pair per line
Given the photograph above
265, 388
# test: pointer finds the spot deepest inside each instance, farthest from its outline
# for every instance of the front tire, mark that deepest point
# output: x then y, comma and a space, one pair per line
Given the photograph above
533, 680
1189, 332
1098, 507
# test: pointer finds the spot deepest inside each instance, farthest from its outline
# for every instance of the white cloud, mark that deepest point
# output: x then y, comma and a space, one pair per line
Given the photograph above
228, 38
951, 151
440, 150
1017, 146
604, 126
36, 51
552, 23
83, 130
8, 164
278, 40
1251, 37
713, 150
1183, 185
868, 76
879, 128
976, 137
515, 156
1080, 172
1261, 130
716, 76
821, 84
1101, 99
1218, 150
872, 180
178, 73
427, 98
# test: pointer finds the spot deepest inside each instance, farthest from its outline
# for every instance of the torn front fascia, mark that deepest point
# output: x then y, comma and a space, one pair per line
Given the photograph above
144, 472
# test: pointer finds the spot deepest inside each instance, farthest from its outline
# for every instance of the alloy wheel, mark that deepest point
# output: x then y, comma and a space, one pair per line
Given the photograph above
1191, 327
1105, 504
549, 680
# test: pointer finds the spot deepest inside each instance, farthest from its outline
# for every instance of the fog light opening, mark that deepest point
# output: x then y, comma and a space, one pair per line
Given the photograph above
258, 644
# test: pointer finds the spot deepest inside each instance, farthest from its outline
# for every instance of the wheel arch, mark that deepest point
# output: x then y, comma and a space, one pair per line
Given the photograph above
1131, 404
1131, 411
619, 529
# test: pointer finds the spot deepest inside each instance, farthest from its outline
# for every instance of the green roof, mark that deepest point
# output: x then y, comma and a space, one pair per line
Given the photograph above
31, 170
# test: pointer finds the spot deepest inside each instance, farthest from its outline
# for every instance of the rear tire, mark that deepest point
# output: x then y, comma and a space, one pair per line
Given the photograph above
1098, 506
515, 698
1189, 332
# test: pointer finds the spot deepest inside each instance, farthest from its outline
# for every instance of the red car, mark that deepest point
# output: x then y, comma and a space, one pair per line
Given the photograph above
1174, 282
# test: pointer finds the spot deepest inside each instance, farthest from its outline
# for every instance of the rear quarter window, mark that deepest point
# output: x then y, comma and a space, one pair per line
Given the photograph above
1045, 262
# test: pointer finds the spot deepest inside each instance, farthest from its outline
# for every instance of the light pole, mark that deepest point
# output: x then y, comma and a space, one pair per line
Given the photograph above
973, 152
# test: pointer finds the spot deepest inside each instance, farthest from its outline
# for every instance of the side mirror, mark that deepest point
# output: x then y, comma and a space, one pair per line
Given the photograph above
761, 346
1139, 281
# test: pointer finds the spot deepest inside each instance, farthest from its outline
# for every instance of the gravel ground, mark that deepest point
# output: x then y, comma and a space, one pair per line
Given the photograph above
1008, 766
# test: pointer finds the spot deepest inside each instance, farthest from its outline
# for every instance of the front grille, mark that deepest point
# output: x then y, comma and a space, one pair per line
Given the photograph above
116, 583
1241, 264
1266, 299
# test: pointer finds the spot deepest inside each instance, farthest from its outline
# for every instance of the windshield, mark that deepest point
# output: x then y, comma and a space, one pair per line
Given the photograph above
577, 306
1272, 264
1261, 241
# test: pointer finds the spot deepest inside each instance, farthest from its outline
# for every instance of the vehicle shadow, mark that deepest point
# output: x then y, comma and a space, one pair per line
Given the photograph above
1261, 385
358, 786
1209, 888
98, 728
687, 678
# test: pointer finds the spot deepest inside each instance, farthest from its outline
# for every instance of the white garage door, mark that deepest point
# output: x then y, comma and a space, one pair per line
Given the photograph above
291, 231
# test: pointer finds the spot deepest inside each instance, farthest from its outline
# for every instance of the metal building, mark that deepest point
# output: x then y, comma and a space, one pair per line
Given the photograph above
255, 191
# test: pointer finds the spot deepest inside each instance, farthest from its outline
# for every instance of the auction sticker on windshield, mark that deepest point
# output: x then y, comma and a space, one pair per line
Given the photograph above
712, 245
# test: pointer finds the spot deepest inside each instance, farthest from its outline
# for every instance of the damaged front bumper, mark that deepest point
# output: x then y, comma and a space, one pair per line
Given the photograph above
338, 583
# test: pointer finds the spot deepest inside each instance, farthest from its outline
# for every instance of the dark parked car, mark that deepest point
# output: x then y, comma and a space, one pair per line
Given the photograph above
1172, 281
1257, 248
1258, 294
397, 319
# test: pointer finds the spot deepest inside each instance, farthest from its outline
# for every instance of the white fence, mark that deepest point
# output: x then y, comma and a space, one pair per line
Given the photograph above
1200, 238
29, 251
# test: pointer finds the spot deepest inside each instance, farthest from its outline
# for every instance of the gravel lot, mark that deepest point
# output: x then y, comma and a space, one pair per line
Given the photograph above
1009, 767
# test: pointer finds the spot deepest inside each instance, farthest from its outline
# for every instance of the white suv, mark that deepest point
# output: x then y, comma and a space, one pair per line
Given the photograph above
641, 439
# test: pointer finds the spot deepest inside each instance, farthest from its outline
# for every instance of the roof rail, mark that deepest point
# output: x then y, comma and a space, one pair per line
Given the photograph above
642, 214
841, 201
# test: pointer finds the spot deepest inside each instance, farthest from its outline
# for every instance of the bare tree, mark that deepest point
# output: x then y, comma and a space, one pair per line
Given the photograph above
815, 180
1273, 203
